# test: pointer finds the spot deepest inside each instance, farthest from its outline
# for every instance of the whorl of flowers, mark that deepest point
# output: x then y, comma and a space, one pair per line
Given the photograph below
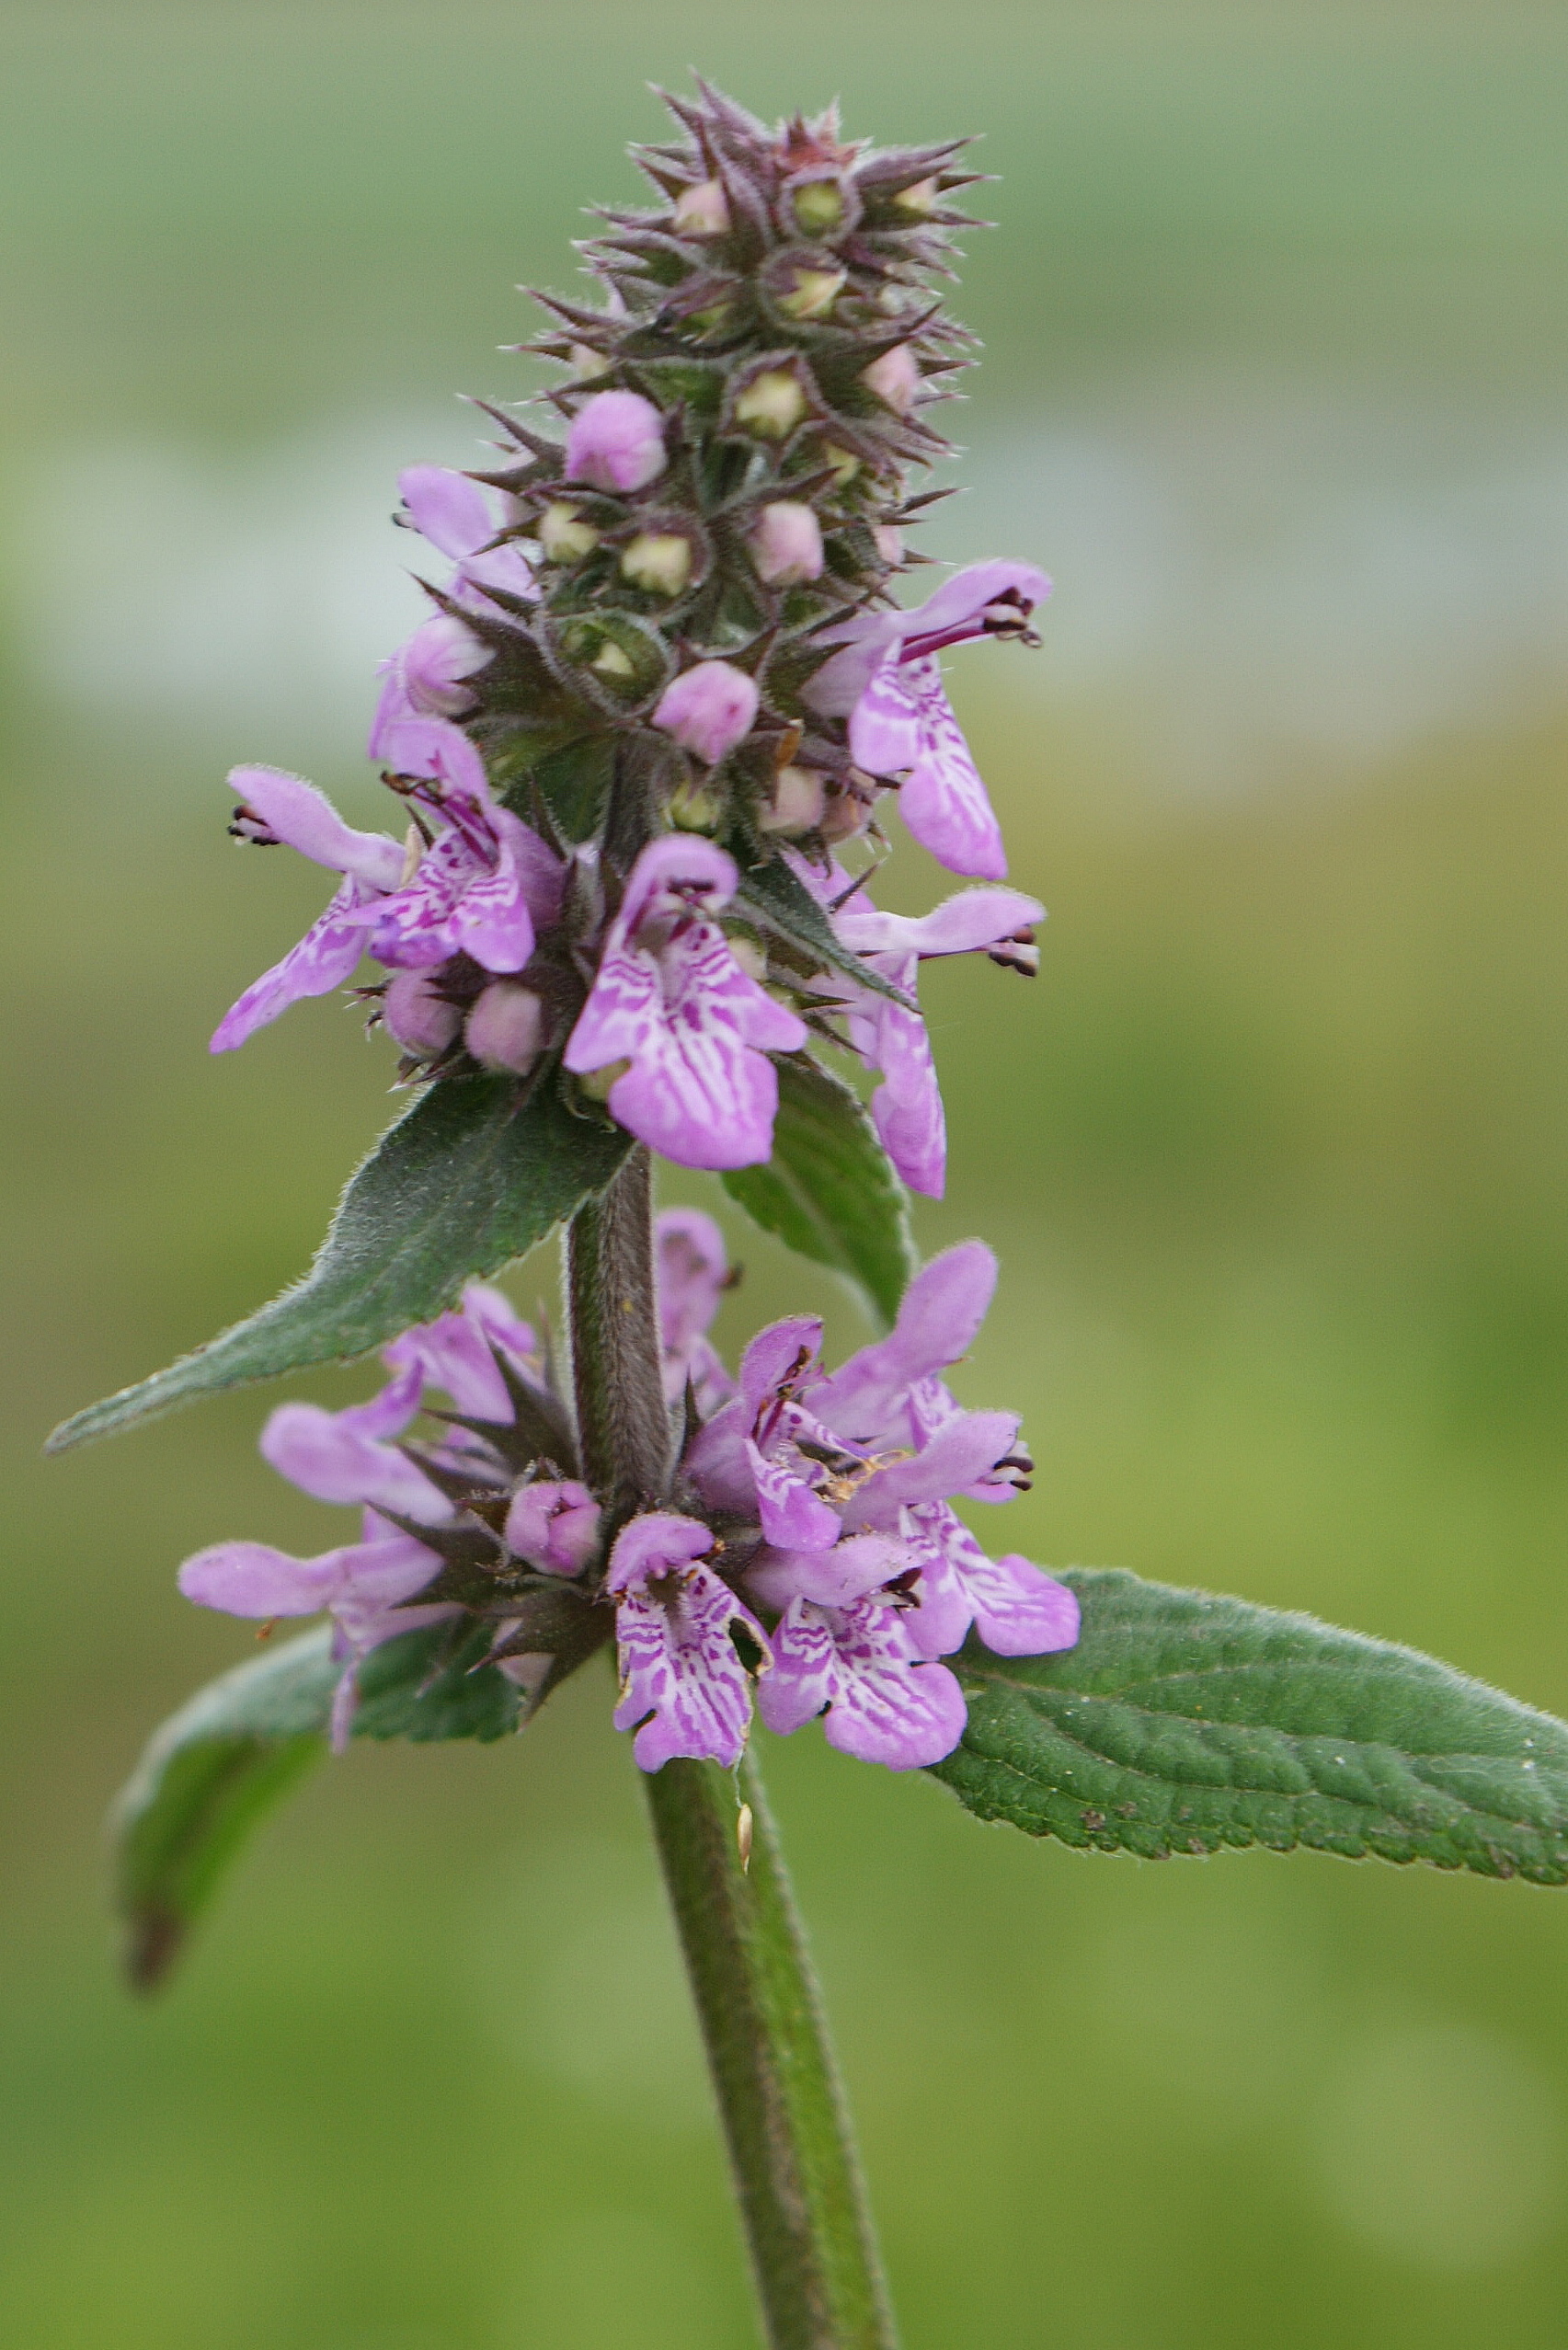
669, 620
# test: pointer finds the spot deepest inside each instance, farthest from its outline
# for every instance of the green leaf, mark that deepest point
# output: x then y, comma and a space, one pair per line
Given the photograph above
472, 1178
204, 1783
1184, 1723
224, 1760
830, 1191
779, 902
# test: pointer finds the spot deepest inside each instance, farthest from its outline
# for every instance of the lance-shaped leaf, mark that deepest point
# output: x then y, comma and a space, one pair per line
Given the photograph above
224, 1760
777, 900
474, 1175
830, 1191
1184, 1723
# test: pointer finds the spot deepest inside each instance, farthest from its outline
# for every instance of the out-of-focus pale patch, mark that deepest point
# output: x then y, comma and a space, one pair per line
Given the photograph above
1254, 581
1442, 2143
575, 1963
255, 590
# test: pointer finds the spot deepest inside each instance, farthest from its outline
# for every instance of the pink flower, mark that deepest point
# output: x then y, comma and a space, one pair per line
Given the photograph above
693, 1269
671, 1002
884, 1701
426, 677
907, 1107
479, 888
683, 1688
708, 709
351, 1458
615, 441
886, 681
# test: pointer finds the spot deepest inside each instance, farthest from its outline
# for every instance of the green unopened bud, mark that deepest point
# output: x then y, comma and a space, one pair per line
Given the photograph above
695, 808
658, 561
587, 362
771, 405
843, 463
563, 535
751, 953
816, 290
597, 1082
611, 662
819, 207
921, 199
713, 318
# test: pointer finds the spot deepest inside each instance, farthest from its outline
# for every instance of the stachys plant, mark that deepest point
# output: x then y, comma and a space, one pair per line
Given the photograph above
646, 752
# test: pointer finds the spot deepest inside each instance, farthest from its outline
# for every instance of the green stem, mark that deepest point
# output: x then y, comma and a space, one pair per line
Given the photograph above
796, 2173
622, 1427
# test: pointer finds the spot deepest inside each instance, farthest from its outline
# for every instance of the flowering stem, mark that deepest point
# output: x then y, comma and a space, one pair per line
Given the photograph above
795, 2170
796, 2173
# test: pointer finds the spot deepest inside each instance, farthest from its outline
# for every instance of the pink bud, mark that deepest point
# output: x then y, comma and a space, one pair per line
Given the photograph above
506, 1027
421, 1021
553, 1527
436, 660
616, 442
787, 545
894, 378
888, 540
708, 709
703, 211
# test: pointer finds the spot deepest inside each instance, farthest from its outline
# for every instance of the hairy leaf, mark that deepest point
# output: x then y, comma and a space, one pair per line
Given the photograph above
779, 902
830, 1191
1184, 1723
473, 1176
224, 1760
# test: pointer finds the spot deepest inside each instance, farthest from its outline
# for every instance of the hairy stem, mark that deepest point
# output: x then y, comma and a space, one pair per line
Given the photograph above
622, 1427
796, 2173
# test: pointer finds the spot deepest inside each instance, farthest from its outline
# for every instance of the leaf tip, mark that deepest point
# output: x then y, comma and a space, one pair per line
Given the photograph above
153, 1940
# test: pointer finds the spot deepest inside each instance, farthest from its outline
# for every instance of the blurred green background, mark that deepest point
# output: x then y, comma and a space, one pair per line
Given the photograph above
1272, 1151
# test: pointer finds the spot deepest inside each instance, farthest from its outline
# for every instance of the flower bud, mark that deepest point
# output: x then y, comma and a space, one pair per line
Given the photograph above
771, 405
751, 953
921, 199
818, 207
708, 709
553, 1527
564, 535
814, 292
888, 540
843, 463
421, 1021
894, 378
845, 813
701, 210
658, 561
599, 1083
437, 657
587, 362
612, 661
506, 1027
616, 442
797, 804
787, 543
695, 808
